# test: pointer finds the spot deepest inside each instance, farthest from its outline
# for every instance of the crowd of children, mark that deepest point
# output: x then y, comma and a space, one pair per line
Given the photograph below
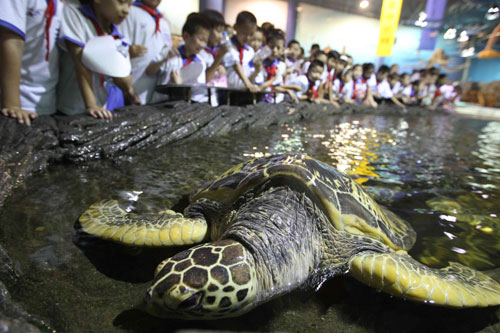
42, 42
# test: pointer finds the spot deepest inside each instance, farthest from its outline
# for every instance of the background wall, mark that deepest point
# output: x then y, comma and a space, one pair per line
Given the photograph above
176, 12
264, 10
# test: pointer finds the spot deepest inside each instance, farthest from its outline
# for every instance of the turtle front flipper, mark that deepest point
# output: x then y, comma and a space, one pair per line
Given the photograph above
400, 275
107, 220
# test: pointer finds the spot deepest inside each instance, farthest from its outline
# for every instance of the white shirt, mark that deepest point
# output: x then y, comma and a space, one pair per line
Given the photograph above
384, 89
231, 58
140, 29
397, 88
217, 80
77, 28
341, 90
372, 82
38, 76
303, 82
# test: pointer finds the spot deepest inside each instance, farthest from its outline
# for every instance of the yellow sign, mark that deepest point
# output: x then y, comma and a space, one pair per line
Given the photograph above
389, 20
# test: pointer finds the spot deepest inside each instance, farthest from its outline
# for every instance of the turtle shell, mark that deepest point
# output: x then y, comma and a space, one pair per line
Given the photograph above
344, 201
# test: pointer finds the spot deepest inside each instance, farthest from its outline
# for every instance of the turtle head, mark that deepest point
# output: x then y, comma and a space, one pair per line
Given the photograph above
209, 281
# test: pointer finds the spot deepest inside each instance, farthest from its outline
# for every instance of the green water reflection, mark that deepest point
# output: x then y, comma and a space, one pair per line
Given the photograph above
440, 174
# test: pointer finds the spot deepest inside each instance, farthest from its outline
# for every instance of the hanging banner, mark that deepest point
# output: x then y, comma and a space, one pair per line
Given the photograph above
435, 11
389, 20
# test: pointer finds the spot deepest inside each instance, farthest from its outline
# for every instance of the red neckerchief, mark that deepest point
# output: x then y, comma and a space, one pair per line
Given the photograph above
185, 59
49, 14
341, 86
153, 12
271, 69
312, 88
354, 91
212, 51
241, 48
330, 76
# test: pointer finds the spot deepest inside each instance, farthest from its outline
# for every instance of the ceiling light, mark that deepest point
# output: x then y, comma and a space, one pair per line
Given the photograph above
421, 22
493, 13
468, 52
463, 37
451, 33
364, 4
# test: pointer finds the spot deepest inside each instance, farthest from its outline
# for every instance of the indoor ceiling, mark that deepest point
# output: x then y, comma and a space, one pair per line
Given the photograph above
458, 12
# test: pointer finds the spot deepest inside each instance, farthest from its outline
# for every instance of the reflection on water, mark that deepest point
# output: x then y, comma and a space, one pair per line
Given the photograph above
440, 174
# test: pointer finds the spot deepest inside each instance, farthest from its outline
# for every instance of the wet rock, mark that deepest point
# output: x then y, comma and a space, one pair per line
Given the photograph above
10, 270
15, 319
79, 138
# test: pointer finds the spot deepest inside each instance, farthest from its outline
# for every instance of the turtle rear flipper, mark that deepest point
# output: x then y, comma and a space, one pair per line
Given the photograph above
107, 220
400, 275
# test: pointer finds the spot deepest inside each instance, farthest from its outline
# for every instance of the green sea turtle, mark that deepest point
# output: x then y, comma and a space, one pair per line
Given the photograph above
273, 224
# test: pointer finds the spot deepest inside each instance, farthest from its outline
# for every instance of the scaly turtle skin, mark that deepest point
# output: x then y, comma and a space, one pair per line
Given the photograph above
273, 224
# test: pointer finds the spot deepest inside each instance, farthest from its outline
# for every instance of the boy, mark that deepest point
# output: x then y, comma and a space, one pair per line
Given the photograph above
80, 90
149, 34
327, 82
383, 90
292, 60
30, 67
195, 32
306, 86
214, 52
272, 68
240, 54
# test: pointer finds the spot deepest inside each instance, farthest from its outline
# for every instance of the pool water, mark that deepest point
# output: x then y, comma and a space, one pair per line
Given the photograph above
441, 174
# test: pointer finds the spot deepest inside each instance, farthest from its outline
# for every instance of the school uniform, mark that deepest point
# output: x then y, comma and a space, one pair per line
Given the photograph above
341, 90
146, 26
397, 88
359, 88
295, 65
38, 23
208, 56
371, 82
305, 85
242, 54
198, 95
273, 70
79, 25
384, 90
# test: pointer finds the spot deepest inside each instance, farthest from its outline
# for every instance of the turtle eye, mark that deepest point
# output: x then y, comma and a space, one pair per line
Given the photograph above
191, 302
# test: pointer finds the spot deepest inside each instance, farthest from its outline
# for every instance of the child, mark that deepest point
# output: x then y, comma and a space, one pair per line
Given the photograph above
257, 39
240, 54
213, 53
383, 90
292, 60
306, 86
405, 90
362, 94
81, 90
28, 32
342, 87
272, 68
150, 37
330, 74
368, 76
195, 32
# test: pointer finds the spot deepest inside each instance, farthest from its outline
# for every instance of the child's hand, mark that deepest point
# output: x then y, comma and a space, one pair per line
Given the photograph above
22, 116
254, 88
137, 50
292, 96
99, 112
131, 98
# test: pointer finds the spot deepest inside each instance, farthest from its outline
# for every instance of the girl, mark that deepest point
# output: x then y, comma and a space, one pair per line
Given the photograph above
362, 94
342, 87
81, 90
